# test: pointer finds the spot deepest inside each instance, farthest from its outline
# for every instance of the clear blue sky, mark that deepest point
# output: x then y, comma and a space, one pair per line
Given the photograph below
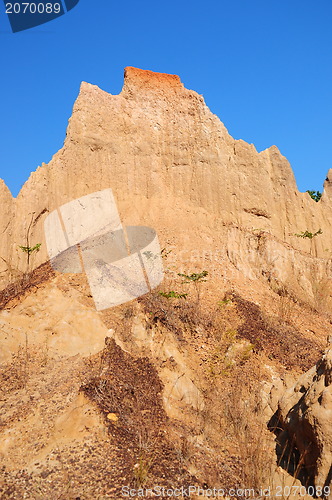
263, 66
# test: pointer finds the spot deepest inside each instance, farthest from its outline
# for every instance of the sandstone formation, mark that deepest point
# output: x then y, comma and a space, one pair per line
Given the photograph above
176, 391
305, 414
164, 154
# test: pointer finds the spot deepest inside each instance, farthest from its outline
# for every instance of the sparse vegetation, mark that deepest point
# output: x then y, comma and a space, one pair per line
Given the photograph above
173, 295
141, 470
308, 234
130, 388
11, 272
194, 277
230, 352
29, 281
197, 279
224, 302
315, 195
30, 250
286, 304
228, 338
242, 405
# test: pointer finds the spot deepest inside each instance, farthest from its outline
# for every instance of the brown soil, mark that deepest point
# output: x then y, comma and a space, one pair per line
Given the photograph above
281, 342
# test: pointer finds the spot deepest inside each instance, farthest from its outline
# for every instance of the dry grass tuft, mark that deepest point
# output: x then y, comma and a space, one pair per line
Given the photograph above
26, 283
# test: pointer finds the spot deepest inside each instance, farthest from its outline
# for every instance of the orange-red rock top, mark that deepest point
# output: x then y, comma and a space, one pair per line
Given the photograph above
150, 79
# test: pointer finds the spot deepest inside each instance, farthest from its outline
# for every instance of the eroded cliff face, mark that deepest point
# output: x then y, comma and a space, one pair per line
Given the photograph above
220, 206
304, 413
172, 165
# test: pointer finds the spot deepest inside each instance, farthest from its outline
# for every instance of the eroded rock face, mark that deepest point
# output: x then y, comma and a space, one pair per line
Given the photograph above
173, 166
305, 412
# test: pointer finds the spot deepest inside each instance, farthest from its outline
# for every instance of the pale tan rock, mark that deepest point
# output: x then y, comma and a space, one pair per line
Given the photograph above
73, 425
55, 323
173, 166
305, 410
174, 367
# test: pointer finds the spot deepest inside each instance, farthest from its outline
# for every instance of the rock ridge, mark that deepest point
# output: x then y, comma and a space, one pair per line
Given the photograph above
168, 158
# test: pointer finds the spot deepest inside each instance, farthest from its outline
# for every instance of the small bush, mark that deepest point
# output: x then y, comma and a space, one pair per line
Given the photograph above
173, 295
315, 195
307, 234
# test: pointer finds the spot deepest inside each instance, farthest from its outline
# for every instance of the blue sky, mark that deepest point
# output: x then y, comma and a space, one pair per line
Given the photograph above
264, 67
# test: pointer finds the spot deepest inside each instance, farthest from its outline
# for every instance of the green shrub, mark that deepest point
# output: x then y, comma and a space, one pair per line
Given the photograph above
173, 295
315, 195
307, 234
